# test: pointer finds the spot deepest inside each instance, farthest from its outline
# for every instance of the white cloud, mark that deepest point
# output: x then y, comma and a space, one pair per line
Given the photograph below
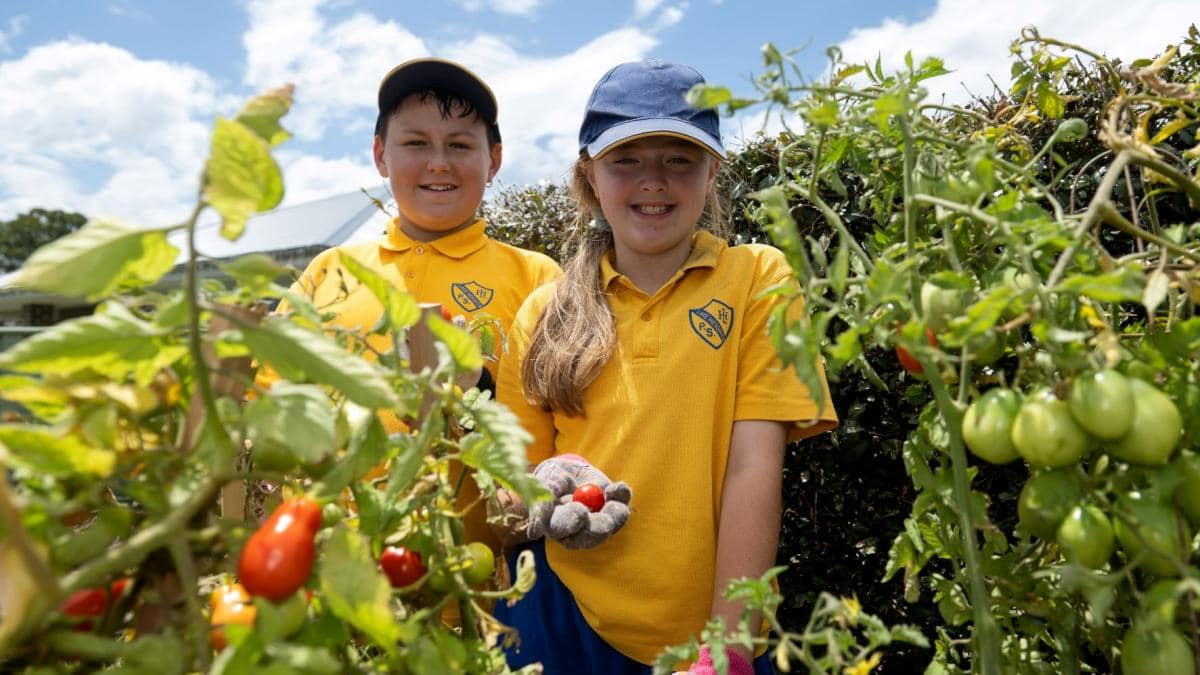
336, 66
517, 7
90, 127
16, 26
307, 177
973, 37
643, 8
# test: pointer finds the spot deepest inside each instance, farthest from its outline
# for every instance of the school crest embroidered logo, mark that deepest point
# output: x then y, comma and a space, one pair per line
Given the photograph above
472, 295
712, 322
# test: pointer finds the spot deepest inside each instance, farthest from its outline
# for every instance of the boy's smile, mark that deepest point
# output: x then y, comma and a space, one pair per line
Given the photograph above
438, 167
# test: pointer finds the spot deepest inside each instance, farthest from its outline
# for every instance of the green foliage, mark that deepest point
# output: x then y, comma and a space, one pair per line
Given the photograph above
1065, 216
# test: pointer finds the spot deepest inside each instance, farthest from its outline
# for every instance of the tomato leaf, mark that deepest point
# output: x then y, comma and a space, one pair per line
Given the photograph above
356, 590
297, 353
261, 114
97, 259
498, 447
255, 272
115, 344
1049, 103
1123, 285
295, 419
36, 449
241, 177
367, 448
463, 348
400, 308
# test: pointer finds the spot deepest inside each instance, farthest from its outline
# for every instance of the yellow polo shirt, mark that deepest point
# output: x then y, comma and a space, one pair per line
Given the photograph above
690, 361
467, 272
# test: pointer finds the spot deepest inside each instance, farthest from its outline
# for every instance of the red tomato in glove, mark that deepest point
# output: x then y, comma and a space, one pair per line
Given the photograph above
401, 565
590, 495
278, 557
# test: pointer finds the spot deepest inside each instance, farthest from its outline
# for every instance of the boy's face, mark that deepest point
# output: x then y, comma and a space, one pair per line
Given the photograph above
438, 167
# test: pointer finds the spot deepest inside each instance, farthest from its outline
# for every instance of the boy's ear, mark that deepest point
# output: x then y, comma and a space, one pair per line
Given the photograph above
713, 167
377, 152
496, 154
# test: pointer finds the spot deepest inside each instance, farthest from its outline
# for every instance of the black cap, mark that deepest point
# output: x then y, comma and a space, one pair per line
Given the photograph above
429, 73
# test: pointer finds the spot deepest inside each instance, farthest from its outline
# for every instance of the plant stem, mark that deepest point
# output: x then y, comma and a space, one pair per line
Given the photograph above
1110, 215
1103, 192
185, 567
987, 633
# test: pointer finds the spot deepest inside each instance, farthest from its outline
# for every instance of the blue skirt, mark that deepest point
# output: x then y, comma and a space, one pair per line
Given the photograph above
553, 631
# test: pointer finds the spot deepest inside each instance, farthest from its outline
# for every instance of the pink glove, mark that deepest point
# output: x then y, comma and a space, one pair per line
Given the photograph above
738, 665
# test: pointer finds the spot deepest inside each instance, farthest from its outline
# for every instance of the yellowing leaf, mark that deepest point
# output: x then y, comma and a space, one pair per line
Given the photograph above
261, 114
241, 177
114, 344
97, 259
36, 449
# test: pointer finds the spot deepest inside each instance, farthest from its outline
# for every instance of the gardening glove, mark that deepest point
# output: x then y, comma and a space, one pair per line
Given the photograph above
570, 522
738, 665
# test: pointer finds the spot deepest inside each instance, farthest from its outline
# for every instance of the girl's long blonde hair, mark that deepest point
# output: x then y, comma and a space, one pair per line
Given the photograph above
576, 332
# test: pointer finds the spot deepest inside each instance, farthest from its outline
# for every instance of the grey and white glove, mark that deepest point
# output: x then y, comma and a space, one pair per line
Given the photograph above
570, 522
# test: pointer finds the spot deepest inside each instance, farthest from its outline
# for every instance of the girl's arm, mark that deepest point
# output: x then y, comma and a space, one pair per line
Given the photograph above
748, 533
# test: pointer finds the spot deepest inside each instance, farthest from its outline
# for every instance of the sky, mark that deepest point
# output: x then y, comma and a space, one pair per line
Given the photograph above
106, 106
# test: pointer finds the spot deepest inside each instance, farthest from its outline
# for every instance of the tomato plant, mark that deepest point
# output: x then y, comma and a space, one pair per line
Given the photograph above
590, 495
403, 566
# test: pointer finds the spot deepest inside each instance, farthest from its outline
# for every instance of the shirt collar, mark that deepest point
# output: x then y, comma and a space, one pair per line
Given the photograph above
458, 245
706, 248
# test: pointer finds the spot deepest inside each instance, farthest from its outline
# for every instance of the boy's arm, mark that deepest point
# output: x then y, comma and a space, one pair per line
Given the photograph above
748, 532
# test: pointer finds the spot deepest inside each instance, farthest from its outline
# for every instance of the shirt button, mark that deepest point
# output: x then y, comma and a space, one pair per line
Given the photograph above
419, 250
410, 274
646, 316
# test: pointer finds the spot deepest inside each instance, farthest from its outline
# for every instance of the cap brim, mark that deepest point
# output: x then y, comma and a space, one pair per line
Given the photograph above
430, 73
625, 132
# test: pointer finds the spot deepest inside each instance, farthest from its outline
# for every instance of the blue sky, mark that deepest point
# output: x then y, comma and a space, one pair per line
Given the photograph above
108, 103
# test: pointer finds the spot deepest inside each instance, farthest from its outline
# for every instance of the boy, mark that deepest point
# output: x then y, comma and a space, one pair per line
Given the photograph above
438, 143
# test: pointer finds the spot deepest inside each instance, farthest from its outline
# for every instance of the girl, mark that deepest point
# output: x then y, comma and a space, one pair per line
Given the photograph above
649, 361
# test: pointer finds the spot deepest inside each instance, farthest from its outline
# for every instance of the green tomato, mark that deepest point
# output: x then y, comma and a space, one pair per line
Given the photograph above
987, 348
1160, 604
1188, 493
1046, 499
440, 581
483, 563
1045, 434
1156, 651
1155, 429
273, 457
1102, 403
1155, 537
1086, 537
940, 306
987, 425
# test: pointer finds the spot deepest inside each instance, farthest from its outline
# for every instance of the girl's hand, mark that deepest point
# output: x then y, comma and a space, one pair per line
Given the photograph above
571, 522
738, 665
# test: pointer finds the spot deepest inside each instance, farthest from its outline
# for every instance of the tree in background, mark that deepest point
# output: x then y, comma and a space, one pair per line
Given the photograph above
23, 235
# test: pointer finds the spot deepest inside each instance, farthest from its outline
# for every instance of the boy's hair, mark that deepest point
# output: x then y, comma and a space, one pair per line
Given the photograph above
576, 332
451, 104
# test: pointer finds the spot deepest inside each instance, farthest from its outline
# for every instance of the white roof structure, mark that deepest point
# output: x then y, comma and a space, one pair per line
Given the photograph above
291, 235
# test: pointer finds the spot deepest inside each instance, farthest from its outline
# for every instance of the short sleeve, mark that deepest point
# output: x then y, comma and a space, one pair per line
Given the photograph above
766, 389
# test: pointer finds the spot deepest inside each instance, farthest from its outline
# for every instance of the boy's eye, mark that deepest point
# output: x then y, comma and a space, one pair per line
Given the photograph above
412, 142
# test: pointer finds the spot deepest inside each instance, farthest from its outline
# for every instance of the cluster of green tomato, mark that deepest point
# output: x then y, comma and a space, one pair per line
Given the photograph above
1134, 422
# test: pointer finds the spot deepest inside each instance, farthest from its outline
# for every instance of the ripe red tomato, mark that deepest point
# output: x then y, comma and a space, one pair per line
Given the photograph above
402, 566
446, 314
910, 362
278, 557
590, 495
86, 602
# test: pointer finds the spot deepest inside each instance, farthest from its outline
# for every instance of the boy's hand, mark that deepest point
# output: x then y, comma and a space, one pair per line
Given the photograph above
571, 522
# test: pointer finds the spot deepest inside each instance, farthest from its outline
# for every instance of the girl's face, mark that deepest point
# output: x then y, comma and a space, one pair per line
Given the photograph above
652, 192
438, 167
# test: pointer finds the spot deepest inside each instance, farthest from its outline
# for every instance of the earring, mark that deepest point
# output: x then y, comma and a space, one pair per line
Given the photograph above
488, 184
599, 222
